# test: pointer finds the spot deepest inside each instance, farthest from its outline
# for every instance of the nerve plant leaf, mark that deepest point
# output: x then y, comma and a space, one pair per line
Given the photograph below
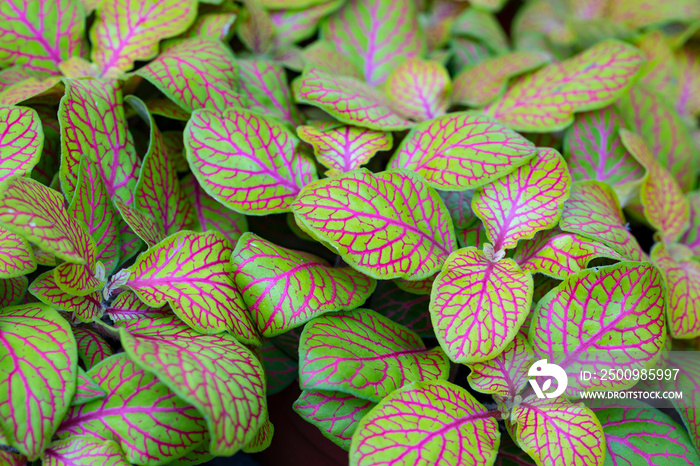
691, 238
665, 205
483, 83
264, 85
594, 151
593, 211
432, 422
524, 201
505, 375
559, 433
546, 100
92, 348
682, 279
87, 389
462, 151
336, 414
93, 126
16, 255
343, 149
369, 220
295, 23
143, 415
477, 306
366, 355
283, 289
227, 387
84, 450
418, 89
12, 291
620, 311
247, 162
262, 439
127, 31
191, 272
347, 99
85, 308
128, 306
196, 73
38, 375
158, 191
140, 224
375, 35
40, 34
21, 140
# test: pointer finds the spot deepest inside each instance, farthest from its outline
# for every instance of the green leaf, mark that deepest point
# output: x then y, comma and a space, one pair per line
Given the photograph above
546, 100
38, 375
505, 375
84, 451
190, 271
138, 225
12, 290
16, 255
462, 151
283, 288
228, 386
87, 389
477, 305
264, 84
92, 348
432, 422
418, 89
21, 140
280, 369
86, 308
366, 355
404, 241
262, 439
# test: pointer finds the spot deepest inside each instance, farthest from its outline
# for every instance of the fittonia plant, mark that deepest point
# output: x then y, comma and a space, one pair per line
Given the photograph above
396, 205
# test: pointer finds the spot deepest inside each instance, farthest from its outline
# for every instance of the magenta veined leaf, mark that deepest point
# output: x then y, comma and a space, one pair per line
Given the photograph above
167, 108
86, 308
78, 67
665, 205
322, 55
295, 24
412, 243
366, 355
343, 149
142, 414
432, 422
691, 238
255, 28
375, 35
559, 254
281, 370
546, 100
477, 306
462, 151
648, 114
81, 279
419, 89
264, 84
128, 306
87, 389
18, 84
660, 71
158, 191
39, 214
93, 126
12, 290
284, 289
138, 224
336, 414
246, 161
423, 286
469, 229
624, 303
262, 439
348, 100
682, 278
84, 450
506, 374
438, 21
92, 348
524, 201
639, 431
16, 255
594, 151
210, 214
228, 386
593, 211
38, 374
559, 433
403, 307
688, 63
196, 73
191, 272
219, 25
21, 140
484, 82
638, 13
124, 32
92, 205
41, 34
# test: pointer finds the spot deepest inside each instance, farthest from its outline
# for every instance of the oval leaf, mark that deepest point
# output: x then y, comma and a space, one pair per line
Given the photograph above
264, 84
477, 306
16, 255
92, 348
432, 422
12, 291
21, 140
366, 355
418, 89
85, 308
84, 451
462, 151
402, 242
